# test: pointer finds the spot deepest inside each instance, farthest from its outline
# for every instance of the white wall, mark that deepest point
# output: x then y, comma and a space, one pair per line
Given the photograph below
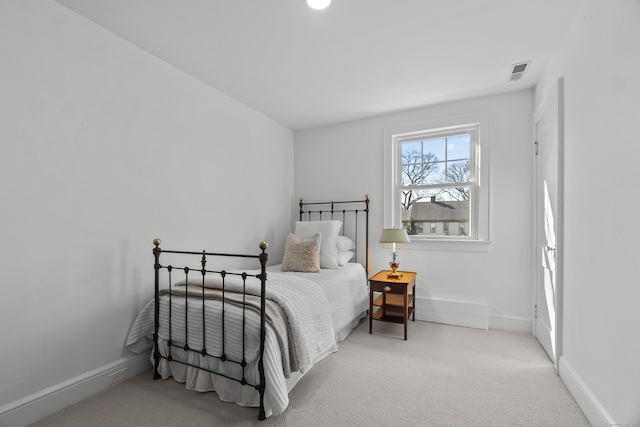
103, 147
346, 160
599, 60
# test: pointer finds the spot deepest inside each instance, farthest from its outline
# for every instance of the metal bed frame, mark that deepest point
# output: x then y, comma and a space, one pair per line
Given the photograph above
316, 212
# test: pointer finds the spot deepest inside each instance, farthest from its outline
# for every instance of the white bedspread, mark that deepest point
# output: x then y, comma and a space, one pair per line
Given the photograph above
346, 290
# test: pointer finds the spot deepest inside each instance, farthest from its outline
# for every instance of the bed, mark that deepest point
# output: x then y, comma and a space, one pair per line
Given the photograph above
251, 334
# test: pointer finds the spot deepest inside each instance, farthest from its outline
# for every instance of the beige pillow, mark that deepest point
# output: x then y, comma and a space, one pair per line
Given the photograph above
302, 254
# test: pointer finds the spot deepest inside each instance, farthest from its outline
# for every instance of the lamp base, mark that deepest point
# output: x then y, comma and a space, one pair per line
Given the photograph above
393, 274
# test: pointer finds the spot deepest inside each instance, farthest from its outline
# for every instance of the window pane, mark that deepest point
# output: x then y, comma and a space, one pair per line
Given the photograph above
411, 174
418, 167
458, 147
433, 173
457, 171
436, 147
413, 151
412, 168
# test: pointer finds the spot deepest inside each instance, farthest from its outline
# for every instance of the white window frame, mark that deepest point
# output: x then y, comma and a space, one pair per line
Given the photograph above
478, 228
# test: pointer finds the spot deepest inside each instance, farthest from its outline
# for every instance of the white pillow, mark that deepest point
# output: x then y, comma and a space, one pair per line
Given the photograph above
345, 244
329, 243
344, 257
302, 254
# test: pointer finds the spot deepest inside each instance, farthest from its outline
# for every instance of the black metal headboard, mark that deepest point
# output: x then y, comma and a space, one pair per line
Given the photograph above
348, 212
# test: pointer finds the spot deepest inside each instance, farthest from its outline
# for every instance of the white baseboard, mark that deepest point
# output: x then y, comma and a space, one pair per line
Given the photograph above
586, 400
467, 314
458, 313
39, 405
513, 324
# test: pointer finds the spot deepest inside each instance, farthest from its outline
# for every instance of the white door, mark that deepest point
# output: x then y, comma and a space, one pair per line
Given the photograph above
548, 186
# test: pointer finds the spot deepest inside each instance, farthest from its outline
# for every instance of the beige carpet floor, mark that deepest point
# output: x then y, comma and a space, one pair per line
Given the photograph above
441, 376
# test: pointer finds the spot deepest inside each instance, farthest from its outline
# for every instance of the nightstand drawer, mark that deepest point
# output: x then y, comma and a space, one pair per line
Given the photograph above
390, 288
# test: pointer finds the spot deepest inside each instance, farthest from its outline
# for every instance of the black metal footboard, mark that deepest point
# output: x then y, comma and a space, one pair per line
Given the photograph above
190, 299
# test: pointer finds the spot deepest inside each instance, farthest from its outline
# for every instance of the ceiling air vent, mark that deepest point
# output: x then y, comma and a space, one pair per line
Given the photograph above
518, 70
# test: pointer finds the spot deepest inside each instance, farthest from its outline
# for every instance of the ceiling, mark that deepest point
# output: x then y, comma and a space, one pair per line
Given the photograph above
358, 58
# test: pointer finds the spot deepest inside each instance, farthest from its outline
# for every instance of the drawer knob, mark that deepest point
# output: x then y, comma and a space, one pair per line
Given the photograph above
387, 288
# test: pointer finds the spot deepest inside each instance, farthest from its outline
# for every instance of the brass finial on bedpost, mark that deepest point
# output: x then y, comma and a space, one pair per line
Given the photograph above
264, 257
157, 250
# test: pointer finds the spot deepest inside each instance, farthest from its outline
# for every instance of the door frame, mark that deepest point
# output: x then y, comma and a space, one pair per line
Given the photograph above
553, 103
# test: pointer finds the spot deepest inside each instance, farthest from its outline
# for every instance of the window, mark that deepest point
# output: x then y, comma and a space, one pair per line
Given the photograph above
433, 175
436, 179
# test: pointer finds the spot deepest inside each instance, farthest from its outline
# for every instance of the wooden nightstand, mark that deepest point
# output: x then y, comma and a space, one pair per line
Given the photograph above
394, 299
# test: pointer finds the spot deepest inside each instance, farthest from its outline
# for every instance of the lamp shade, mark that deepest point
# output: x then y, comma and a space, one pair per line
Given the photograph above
394, 235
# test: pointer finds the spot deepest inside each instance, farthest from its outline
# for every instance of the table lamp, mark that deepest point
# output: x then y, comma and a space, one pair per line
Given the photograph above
394, 235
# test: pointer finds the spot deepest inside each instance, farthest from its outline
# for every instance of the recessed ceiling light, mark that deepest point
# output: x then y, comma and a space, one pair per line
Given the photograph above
318, 4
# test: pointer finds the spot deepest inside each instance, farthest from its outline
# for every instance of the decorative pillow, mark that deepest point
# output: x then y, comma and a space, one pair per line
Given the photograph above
302, 254
344, 257
329, 231
345, 244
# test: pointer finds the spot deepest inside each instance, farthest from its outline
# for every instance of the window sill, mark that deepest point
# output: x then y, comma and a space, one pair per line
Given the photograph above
448, 245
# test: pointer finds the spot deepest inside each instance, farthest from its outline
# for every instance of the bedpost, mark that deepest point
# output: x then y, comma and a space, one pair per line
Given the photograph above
366, 262
301, 205
156, 352
264, 257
